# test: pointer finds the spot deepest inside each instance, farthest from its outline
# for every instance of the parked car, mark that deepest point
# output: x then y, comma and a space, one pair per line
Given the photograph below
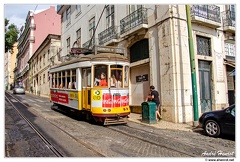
18, 90
218, 122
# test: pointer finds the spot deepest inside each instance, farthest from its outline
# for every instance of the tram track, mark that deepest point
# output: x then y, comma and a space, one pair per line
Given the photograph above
152, 138
97, 151
42, 137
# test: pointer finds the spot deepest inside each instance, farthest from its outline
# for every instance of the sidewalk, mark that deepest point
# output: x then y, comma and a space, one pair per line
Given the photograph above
134, 117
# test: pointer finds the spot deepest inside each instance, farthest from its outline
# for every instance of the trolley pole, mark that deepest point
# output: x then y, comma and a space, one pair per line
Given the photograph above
193, 67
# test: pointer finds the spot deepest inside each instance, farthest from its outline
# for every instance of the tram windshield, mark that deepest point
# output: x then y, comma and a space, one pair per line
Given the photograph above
101, 75
116, 76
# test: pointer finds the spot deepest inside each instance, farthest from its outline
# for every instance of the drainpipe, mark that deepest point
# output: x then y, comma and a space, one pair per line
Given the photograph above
193, 67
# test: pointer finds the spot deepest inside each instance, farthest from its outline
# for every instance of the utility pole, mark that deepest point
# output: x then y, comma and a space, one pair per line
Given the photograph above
193, 67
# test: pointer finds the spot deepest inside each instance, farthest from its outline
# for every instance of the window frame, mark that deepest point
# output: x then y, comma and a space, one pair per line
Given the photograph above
68, 15
91, 26
209, 48
110, 10
78, 10
68, 44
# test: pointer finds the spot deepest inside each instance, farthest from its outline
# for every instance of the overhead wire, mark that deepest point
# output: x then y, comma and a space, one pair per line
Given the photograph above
96, 26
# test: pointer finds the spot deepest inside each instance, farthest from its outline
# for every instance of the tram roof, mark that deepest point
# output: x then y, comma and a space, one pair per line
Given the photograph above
104, 57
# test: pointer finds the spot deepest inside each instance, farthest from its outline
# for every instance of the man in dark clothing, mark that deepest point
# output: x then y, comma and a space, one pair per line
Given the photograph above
155, 98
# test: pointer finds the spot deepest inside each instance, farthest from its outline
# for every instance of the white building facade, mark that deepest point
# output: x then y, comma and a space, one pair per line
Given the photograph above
156, 38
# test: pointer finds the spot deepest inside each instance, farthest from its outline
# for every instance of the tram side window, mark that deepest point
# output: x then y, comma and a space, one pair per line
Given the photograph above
74, 85
68, 75
100, 75
55, 80
126, 76
63, 79
52, 81
116, 76
59, 85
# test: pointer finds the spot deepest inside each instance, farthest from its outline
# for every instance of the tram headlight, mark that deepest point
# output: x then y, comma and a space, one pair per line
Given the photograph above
124, 109
109, 110
104, 110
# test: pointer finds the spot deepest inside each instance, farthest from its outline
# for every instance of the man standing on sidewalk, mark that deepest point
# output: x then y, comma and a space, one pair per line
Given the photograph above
154, 95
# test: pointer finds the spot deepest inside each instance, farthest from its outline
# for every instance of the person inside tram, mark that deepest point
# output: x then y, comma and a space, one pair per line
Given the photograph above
74, 83
61, 85
113, 81
97, 81
70, 85
103, 81
119, 83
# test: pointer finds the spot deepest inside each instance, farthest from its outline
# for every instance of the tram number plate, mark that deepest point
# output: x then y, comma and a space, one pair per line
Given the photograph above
73, 95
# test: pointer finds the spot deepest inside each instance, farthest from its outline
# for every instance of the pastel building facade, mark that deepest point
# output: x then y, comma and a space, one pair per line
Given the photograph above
9, 66
38, 25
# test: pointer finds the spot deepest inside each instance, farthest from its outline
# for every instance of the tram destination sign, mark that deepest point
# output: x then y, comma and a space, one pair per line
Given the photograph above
78, 50
109, 49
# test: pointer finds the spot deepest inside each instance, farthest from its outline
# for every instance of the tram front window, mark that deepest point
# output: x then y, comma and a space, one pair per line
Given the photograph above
116, 76
100, 75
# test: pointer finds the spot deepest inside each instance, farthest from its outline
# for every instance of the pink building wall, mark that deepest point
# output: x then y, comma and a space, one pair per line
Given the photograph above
47, 22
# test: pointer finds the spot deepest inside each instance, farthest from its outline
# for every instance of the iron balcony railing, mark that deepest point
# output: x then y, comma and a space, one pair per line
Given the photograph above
228, 18
133, 20
86, 44
107, 35
210, 12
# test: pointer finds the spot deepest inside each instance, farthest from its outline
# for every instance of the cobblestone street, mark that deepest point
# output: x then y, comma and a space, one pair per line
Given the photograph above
135, 139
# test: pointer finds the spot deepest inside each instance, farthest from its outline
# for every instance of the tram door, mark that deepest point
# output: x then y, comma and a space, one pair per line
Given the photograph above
86, 88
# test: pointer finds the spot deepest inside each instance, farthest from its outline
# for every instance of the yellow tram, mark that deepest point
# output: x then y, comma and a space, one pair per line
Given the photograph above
95, 84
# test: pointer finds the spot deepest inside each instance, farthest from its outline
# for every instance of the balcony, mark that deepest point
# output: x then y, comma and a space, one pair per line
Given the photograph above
133, 22
86, 44
109, 35
31, 39
207, 15
228, 18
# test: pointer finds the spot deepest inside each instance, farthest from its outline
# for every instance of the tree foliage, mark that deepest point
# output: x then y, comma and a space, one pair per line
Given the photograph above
11, 35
